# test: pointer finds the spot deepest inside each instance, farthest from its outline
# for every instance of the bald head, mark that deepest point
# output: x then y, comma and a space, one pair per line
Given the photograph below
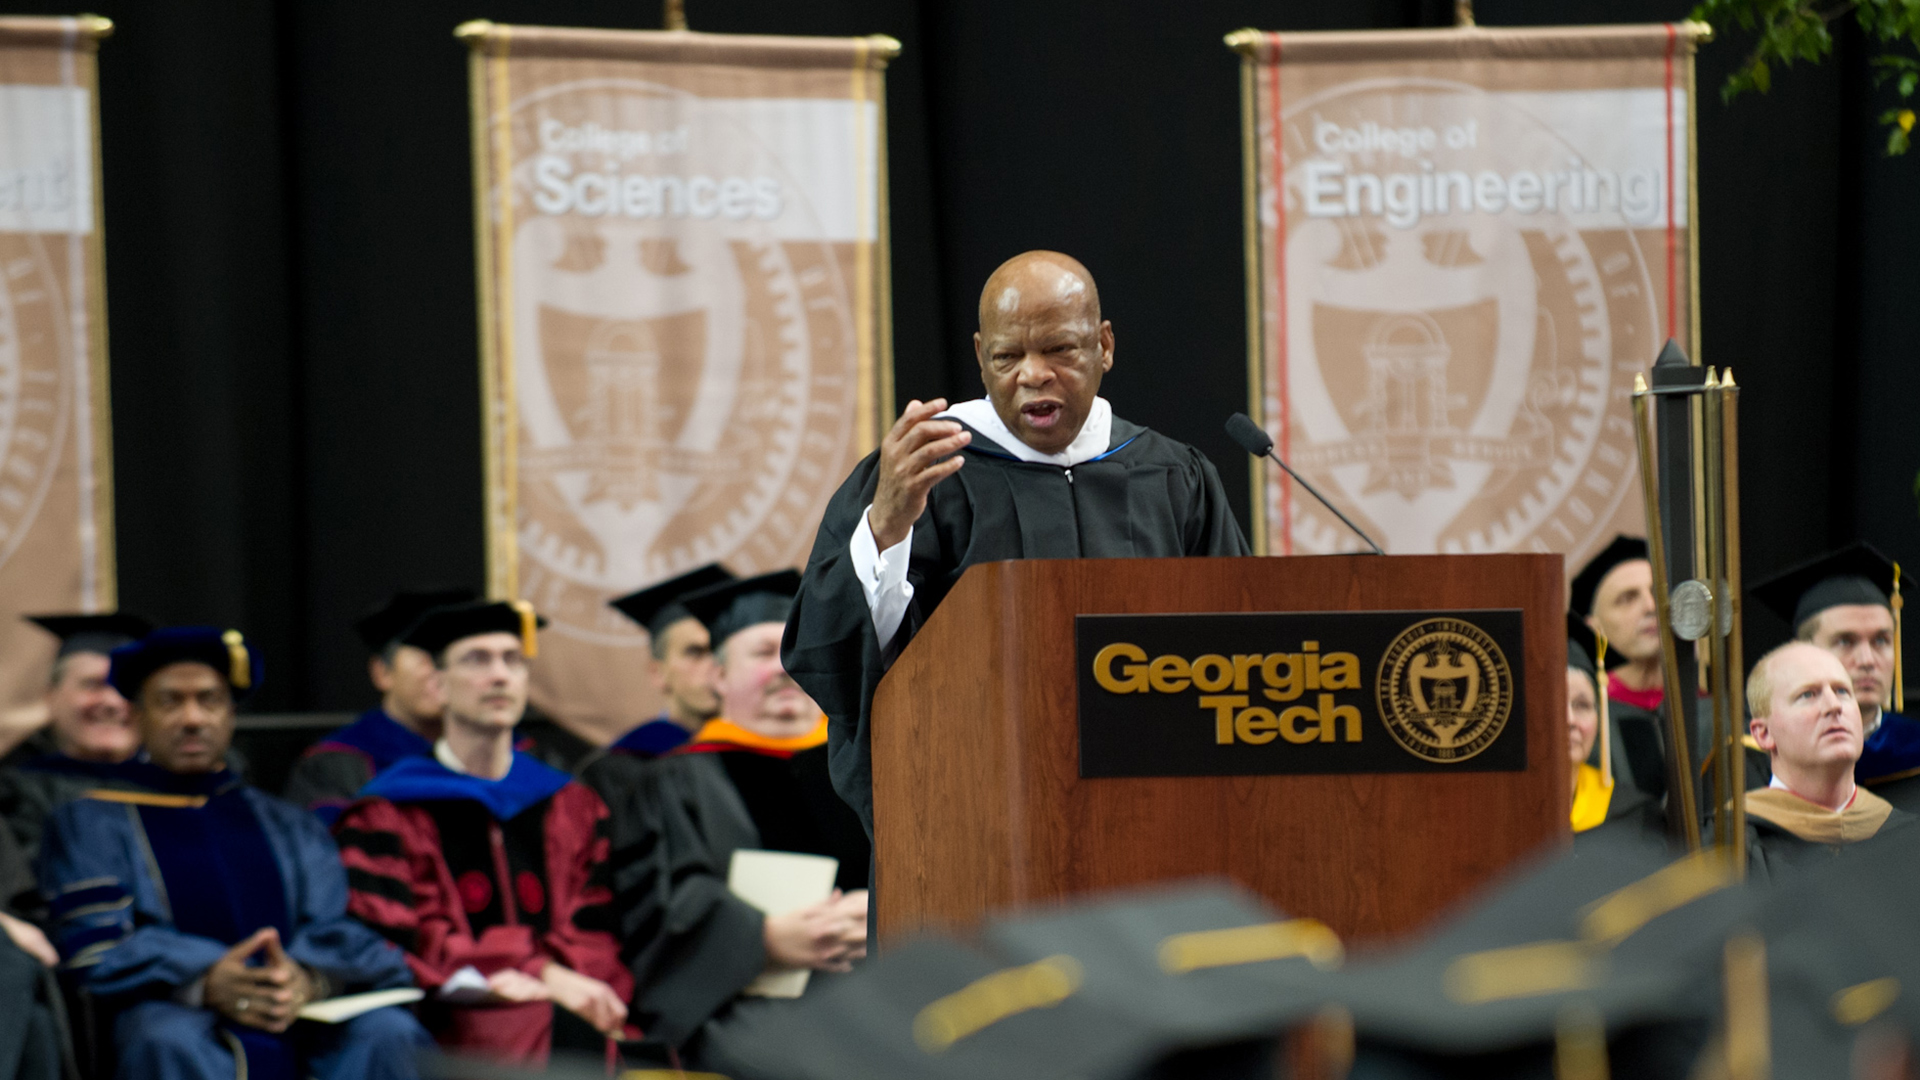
1039, 277
1043, 347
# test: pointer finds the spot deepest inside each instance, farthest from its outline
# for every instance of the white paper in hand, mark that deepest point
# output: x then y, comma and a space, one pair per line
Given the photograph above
777, 882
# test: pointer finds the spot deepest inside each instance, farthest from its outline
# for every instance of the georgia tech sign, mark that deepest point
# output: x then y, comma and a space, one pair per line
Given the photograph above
1319, 692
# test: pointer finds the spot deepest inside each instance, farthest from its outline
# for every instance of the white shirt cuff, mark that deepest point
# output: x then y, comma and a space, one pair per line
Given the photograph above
883, 578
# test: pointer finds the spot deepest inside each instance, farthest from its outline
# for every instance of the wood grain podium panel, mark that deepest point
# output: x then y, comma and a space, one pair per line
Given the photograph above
979, 806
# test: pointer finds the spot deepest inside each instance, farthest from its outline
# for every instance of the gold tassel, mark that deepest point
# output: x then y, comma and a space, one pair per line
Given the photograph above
239, 671
529, 628
1899, 669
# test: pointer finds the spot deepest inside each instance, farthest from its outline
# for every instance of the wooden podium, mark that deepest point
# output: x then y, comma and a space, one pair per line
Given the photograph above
979, 804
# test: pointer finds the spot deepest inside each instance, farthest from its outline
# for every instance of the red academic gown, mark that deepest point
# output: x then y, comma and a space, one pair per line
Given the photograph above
462, 872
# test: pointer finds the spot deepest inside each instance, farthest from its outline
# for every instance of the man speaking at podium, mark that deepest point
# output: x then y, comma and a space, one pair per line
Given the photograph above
1040, 468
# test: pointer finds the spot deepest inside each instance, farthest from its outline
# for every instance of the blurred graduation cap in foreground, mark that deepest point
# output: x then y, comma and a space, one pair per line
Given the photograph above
99, 633
382, 626
658, 607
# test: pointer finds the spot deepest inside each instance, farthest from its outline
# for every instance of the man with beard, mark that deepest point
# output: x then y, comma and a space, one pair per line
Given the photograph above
1040, 468
681, 665
1848, 603
1807, 721
754, 777
206, 913
1613, 595
404, 724
487, 866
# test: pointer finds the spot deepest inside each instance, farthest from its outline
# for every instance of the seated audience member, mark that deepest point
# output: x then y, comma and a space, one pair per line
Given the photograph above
1613, 596
1845, 602
681, 668
1597, 798
206, 912
404, 724
88, 735
754, 778
1806, 720
487, 866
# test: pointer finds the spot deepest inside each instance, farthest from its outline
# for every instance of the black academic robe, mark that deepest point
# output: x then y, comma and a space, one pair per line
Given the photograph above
1775, 855
1146, 497
693, 945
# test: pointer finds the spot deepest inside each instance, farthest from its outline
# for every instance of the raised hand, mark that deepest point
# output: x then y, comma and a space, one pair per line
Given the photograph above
911, 462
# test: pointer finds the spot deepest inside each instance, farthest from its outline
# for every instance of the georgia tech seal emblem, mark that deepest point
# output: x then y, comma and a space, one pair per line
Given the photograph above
1445, 690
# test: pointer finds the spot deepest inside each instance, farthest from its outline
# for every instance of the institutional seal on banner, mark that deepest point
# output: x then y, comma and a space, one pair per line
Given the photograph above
1445, 690
36, 383
1457, 368
684, 372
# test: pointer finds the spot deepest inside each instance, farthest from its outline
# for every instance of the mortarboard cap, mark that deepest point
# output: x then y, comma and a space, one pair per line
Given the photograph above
443, 626
383, 625
101, 633
1587, 582
1615, 929
658, 606
1192, 966
1855, 574
933, 1009
732, 606
225, 651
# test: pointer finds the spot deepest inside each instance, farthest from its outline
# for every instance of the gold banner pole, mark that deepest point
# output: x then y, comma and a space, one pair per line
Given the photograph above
1735, 652
1715, 537
1680, 800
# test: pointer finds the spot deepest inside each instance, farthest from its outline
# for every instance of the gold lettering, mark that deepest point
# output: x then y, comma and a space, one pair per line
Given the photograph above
1243, 663
1256, 725
1339, 671
1289, 724
1168, 674
1331, 715
1279, 688
1222, 672
1136, 675
1223, 708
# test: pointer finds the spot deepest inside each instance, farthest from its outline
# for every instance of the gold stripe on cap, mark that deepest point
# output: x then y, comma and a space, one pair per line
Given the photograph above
1858, 1004
146, 798
239, 671
1309, 938
1899, 667
1543, 967
992, 998
1615, 917
529, 628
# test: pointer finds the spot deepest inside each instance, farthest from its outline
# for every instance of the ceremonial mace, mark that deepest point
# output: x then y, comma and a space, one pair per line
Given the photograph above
1693, 535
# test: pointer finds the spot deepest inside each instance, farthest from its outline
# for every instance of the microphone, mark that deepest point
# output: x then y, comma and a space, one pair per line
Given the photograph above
1254, 440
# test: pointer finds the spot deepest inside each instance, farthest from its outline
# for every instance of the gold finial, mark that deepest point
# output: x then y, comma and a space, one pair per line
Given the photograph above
1463, 14
1639, 383
676, 15
96, 26
1245, 41
1726, 379
1713, 377
473, 30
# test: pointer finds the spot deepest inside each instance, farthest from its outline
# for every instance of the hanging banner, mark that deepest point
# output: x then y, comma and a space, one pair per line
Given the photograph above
1461, 246
684, 318
56, 465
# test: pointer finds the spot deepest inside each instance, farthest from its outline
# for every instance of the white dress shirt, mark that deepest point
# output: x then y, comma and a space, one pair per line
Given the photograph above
883, 574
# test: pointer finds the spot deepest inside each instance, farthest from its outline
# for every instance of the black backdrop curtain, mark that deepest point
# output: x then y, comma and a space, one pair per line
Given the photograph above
291, 295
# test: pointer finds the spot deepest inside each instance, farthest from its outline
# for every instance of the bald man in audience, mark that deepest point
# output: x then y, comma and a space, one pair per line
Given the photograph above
1807, 720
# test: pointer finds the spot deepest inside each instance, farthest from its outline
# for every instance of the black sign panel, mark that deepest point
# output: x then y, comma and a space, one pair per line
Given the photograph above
1236, 694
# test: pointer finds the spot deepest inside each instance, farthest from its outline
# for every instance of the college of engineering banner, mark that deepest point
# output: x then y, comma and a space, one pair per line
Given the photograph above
685, 339
1462, 244
56, 488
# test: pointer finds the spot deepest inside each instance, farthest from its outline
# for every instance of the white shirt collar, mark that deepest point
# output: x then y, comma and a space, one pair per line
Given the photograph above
444, 754
1090, 443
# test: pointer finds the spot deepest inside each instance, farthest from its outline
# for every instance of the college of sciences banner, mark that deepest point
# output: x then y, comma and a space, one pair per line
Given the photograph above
56, 488
1462, 244
684, 318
